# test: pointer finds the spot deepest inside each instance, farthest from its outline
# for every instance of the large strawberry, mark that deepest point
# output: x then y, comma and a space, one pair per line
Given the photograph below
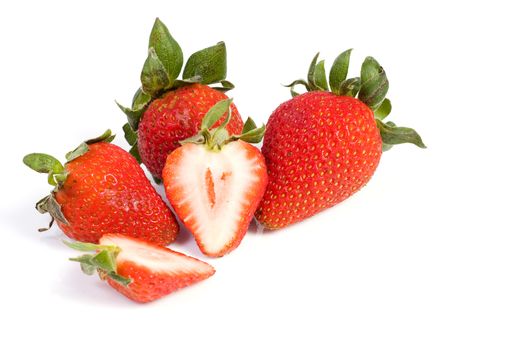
215, 181
166, 110
321, 146
140, 270
102, 189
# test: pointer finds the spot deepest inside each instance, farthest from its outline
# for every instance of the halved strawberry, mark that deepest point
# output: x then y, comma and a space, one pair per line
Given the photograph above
215, 181
140, 270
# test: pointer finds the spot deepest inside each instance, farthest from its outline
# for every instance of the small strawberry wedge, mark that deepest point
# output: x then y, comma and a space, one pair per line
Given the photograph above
215, 182
141, 271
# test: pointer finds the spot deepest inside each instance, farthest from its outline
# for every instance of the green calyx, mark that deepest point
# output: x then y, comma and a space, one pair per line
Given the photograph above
160, 74
370, 88
57, 175
104, 261
215, 138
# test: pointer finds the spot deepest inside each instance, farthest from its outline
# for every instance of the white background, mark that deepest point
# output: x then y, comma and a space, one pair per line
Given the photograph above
429, 255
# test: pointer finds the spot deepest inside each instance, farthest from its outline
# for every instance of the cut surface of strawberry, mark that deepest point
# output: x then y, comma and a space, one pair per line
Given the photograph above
215, 181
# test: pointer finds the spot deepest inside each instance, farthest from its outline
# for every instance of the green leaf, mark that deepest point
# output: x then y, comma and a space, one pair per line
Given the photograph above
120, 279
350, 87
384, 110
374, 83
167, 49
254, 136
339, 70
134, 115
154, 76
395, 135
44, 163
220, 136
105, 260
320, 76
134, 151
248, 125
311, 73
77, 152
129, 134
209, 64
140, 100
215, 113
105, 137
297, 82
49, 205
88, 247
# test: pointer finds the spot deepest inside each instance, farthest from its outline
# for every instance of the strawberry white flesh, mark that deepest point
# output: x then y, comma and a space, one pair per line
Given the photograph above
155, 259
215, 192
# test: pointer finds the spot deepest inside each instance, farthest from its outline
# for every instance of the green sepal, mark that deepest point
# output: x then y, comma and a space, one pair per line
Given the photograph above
209, 64
311, 74
384, 110
249, 125
140, 100
154, 76
167, 49
254, 135
134, 115
225, 86
350, 87
104, 260
46, 164
180, 83
374, 83
129, 134
320, 76
395, 135
134, 151
107, 136
339, 70
215, 113
48, 204
297, 82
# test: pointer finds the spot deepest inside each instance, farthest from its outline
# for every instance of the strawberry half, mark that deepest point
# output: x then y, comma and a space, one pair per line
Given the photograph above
167, 109
215, 181
141, 271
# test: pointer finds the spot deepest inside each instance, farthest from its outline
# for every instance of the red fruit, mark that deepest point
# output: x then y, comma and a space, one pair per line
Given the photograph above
141, 271
174, 117
321, 147
103, 189
214, 183
167, 109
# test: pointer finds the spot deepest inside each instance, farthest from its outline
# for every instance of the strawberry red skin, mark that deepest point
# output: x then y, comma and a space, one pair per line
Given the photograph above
147, 285
174, 117
107, 191
320, 148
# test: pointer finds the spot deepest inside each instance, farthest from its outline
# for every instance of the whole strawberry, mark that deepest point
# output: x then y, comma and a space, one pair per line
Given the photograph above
215, 181
102, 189
323, 146
166, 110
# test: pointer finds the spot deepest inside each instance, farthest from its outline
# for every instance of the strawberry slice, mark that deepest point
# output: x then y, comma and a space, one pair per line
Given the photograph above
140, 270
215, 182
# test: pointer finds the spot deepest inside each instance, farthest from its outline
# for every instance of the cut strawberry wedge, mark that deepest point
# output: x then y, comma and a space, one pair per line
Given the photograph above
215, 193
215, 181
140, 270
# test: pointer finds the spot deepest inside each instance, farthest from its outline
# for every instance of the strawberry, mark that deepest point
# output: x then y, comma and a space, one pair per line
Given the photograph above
166, 110
140, 270
102, 189
215, 181
323, 146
